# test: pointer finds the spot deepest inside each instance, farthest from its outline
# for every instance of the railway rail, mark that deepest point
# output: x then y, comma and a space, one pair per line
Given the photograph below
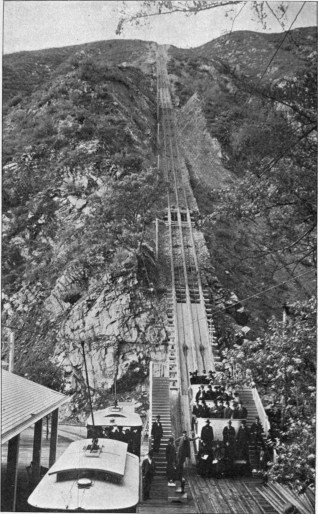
192, 343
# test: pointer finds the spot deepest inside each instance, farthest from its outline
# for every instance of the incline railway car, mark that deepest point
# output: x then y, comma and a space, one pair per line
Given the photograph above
90, 476
119, 423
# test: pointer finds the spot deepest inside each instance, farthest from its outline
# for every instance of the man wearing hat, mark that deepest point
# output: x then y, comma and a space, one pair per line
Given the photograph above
157, 433
242, 411
242, 439
201, 394
148, 471
227, 413
207, 435
229, 447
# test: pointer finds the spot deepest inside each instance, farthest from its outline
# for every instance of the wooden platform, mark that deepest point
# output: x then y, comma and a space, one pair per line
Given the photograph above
239, 495
228, 495
160, 499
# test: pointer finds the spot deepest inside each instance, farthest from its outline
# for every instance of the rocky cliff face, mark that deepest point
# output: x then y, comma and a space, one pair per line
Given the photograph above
80, 193
75, 263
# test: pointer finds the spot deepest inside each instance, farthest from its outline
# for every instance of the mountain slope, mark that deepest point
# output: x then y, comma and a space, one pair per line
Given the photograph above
81, 191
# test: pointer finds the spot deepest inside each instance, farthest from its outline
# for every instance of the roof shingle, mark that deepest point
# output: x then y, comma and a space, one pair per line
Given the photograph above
24, 402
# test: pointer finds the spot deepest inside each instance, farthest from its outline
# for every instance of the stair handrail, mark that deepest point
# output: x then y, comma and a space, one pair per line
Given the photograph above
261, 411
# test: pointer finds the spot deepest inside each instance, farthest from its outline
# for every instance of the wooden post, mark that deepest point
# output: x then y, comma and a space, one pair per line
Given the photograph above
53, 440
37, 447
12, 472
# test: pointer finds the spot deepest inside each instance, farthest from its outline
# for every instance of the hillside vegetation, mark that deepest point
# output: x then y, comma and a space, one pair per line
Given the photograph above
81, 191
261, 229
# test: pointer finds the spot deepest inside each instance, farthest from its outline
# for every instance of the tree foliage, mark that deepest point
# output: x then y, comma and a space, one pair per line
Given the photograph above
283, 365
273, 151
44, 372
150, 8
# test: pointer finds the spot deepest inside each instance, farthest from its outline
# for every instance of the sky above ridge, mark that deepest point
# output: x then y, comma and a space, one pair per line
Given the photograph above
33, 25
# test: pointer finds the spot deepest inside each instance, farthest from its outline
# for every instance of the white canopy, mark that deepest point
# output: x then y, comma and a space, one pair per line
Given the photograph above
111, 458
115, 416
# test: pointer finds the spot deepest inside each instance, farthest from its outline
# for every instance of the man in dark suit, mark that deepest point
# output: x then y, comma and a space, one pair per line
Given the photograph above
157, 433
148, 471
220, 409
242, 439
227, 413
229, 434
205, 459
229, 447
207, 435
256, 432
242, 411
201, 394
209, 393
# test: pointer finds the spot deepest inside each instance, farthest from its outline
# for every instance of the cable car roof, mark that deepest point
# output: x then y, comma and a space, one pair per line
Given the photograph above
111, 459
115, 416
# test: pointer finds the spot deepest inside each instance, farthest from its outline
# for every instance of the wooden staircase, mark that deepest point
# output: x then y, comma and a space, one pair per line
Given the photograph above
246, 397
160, 405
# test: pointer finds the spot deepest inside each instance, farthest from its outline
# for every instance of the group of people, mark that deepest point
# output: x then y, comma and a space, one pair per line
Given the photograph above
217, 457
210, 377
175, 459
219, 409
129, 435
217, 392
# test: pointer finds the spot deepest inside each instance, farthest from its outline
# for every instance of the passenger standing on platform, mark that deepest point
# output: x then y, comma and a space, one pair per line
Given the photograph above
148, 471
229, 447
229, 434
242, 439
157, 433
256, 433
205, 459
207, 435
171, 459
183, 452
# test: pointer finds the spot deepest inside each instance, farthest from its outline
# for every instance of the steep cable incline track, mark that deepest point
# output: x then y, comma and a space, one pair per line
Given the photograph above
193, 329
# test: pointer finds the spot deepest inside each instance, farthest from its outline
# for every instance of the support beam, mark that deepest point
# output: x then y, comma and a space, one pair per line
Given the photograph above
12, 473
37, 447
53, 439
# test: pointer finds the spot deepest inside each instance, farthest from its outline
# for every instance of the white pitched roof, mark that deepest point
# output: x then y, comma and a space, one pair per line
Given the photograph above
111, 416
24, 402
111, 458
